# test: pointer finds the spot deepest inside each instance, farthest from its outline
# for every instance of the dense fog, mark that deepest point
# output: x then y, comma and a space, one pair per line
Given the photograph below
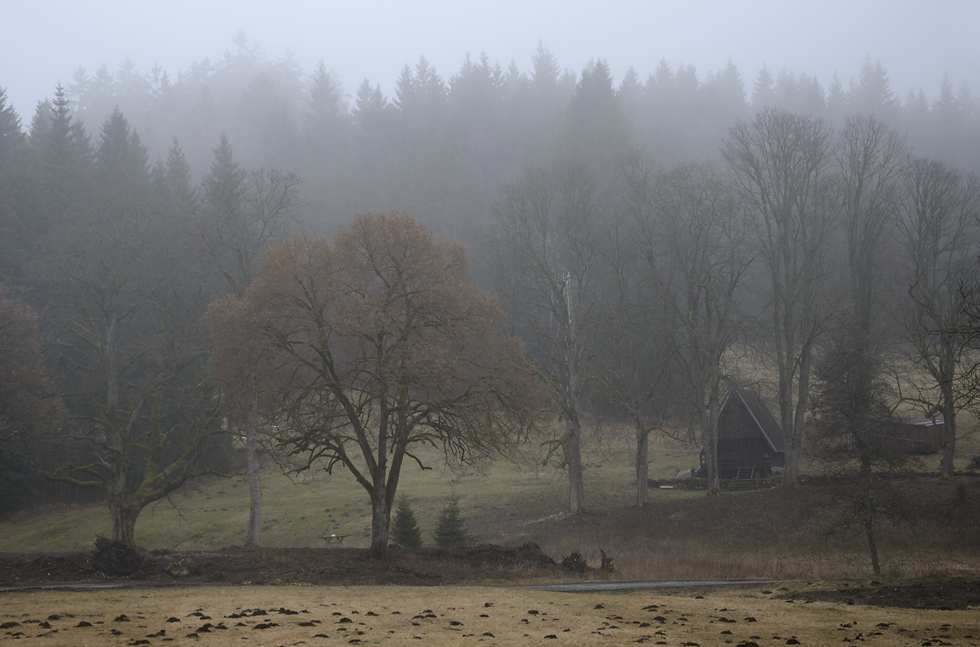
649, 238
444, 141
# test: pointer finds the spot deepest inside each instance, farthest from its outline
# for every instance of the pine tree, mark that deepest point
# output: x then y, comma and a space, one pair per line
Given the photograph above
763, 93
176, 180
63, 164
325, 119
596, 129
13, 180
121, 158
450, 532
405, 529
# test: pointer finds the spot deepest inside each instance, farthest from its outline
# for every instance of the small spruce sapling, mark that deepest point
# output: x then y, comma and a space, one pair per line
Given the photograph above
405, 529
450, 532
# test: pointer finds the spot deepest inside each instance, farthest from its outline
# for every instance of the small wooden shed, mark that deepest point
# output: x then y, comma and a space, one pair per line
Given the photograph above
750, 441
913, 435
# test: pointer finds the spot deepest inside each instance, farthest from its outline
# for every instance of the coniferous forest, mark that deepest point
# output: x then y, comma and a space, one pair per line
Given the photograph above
652, 242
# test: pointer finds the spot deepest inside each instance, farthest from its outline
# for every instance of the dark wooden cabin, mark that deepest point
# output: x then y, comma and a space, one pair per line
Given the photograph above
912, 435
750, 441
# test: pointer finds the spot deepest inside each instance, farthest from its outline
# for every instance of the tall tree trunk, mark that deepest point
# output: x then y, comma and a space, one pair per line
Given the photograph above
254, 485
869, 514
124, 516
709, 440
380, 505
642, 464
791, 456
791, 444
799, 416
949, 429
380, 512
576, 484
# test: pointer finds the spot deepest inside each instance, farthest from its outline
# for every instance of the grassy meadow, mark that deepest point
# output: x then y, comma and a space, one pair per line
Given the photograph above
499, 502
680, 534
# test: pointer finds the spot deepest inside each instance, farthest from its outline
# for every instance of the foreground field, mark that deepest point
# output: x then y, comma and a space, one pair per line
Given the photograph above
216, 616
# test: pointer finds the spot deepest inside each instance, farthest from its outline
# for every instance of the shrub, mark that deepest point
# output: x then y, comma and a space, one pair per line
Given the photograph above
449, 531
405, 528
116, 558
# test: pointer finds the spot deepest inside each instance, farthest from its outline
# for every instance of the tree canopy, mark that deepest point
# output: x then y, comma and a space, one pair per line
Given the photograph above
381, 344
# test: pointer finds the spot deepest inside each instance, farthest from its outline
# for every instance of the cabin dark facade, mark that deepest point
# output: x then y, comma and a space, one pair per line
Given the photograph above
750, 441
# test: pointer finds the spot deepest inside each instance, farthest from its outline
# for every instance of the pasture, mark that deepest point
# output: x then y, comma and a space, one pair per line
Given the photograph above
681, 534
220, 616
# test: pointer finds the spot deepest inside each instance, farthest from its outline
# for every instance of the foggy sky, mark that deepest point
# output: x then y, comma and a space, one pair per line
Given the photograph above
918, 41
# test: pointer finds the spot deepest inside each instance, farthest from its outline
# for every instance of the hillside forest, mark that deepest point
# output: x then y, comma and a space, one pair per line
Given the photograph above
248, 258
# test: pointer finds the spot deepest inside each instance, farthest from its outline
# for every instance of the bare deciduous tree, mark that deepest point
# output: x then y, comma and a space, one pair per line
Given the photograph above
779, 163
938, 228
382, 344
545, 247
870, 157
707, 257
634, 340
142, 410
242, 357
243, 213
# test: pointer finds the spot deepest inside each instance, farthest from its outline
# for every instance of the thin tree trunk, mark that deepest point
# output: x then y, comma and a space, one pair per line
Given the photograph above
791, 449
709, 440
869, 515
949, 430
799, 416
642, 464
576, 484
254, 486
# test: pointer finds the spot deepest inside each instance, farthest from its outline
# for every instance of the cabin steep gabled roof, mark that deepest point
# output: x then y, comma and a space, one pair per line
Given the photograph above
745, 416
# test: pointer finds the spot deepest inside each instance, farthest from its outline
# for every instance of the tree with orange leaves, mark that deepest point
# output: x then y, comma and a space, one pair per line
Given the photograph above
382, 344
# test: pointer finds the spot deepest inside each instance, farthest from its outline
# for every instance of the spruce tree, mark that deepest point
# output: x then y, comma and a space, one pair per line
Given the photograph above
14, 215
450, 532
120, 157
405, 529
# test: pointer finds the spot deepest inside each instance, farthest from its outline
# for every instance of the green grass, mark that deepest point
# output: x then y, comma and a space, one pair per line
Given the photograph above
498, 501
505, 503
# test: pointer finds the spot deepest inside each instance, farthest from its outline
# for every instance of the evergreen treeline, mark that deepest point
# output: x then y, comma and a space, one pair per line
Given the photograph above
443, 144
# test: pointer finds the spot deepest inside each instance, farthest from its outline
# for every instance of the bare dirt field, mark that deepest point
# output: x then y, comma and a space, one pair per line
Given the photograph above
339, 596
407, 615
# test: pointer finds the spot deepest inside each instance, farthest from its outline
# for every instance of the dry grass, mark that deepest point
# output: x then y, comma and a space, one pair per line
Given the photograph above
681, 534
394, 616
779, 533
